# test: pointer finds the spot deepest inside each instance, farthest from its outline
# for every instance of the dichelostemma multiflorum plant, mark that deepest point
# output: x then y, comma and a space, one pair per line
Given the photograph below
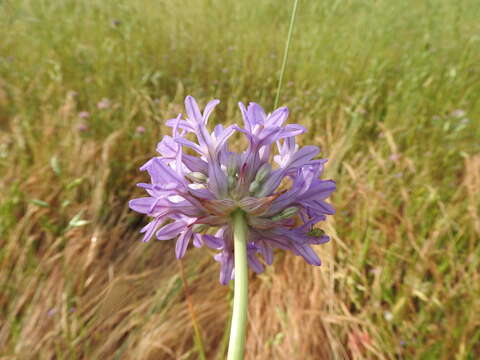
240, 204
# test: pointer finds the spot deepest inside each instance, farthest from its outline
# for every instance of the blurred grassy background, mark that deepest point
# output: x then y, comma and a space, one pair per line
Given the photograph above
388, 89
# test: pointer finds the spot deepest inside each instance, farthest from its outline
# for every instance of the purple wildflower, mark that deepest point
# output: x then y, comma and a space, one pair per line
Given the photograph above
191, 196
83, 114
140, 130
394, 157
82, 127
458, 113
103, 104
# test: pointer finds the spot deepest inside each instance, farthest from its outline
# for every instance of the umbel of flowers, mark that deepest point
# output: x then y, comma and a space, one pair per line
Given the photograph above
274, 183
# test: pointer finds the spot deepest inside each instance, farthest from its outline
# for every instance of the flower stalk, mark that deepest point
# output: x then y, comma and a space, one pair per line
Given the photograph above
285, 54
240, 298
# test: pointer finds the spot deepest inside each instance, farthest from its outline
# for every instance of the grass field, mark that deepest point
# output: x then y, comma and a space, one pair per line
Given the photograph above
388, 89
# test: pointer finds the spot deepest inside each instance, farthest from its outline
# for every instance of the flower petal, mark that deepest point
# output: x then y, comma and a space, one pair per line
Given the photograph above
182, 124
182, 243
168, 148
142, 205
303, 155
272, 182
256, 114
161, 173
321, 206
171, 230
293, 130
197, 240
193, 111
213, 242
269, 135
253, 261
190, 144
246, 120
319, 240
266, 251
278, 117
149, 229
209, 108
223, 136
217, 179
195, 164
226, 260
319, 190
307, 253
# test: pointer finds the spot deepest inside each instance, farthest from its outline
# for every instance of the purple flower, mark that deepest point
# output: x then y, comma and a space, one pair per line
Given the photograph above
82, 127
458, 113
83, 114
103, 104
191, 197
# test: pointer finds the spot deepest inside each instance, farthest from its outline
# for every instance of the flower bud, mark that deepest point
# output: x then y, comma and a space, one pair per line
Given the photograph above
263, 172
316, 232
197, 177
254, 186
199, 228
286, 213
231, 181
232, 166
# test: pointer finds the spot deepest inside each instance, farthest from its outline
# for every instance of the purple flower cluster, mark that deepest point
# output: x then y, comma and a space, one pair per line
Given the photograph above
191, 198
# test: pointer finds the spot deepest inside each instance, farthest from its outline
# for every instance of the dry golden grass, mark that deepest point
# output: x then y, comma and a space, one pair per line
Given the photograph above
94, 291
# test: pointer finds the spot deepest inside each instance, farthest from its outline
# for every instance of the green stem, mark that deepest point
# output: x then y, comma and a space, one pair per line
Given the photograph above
285, 54
240, 296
